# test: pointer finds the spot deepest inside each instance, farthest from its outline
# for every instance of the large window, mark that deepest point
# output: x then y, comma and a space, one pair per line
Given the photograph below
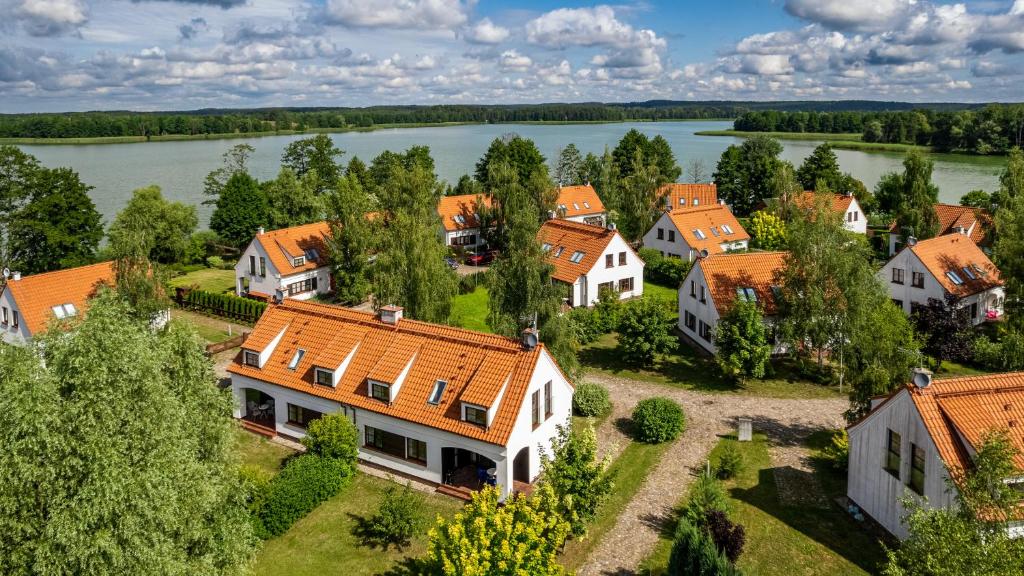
705, 331
897, 275
626, 284
609, 260
892, 454
307, 285
689, 320
535, 408
917, 469
476, 415
605, 287
385, 442
622, 258
467, 240
661, 233
380, 391
416, 450
671, 235
299, 416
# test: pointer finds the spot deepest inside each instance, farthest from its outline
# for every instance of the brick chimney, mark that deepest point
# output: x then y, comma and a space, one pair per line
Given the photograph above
391, 314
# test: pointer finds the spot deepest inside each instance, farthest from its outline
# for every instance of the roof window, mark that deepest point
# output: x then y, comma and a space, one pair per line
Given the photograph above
586, 204
558, 251
576, 206
981, 271
726, 229
459, 219
312, 254
577, 256
715, 232
437, 392
970, 275
696, 202
296, 359
64, 311
545, 247
746, 294
699, 234
562, 207
954, 277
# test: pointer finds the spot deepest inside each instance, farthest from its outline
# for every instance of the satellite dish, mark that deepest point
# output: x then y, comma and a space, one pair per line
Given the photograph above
7, 272
704, 253
530, 339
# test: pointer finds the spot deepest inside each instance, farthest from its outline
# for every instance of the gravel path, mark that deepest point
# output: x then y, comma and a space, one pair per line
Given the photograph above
635, 534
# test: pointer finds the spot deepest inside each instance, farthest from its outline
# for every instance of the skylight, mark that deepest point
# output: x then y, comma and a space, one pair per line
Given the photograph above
296, 359
699, 234
459, 219
586, 204
562, 207
576, 206
558, 251
715, 232
64, 311
981, 271
954, 277
969, 274
726, 228
577, 256
747, 294
312, 254
545, 247
437, 392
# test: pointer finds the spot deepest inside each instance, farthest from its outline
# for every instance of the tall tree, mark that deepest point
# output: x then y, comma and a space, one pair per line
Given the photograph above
521, 153
234, 161
569, 171
350, 242
292, 201
1008, 252
241, 210
17, 180
741, 339
387, 163
910, 197
59, 227
117, 450
744, 173
638, 203
821, 165
696, 171
163, 227
945, 329
357, 168
1011, 181
318, 156
655, 151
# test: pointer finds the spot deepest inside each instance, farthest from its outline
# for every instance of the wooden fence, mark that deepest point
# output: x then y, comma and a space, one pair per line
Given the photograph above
228, 344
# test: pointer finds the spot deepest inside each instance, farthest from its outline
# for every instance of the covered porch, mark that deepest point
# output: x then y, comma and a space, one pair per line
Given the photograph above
465, 471
258, 412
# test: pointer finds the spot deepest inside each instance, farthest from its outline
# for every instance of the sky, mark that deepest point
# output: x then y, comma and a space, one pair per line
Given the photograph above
74, 55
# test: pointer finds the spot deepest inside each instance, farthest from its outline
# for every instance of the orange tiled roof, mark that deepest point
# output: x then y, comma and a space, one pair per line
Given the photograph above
37, 294
565, 238
450, 208
578, 201
476, 366
283, 245
725, 273
969, 407
840, 202
952, 216
677, 195
952, 253
708, 220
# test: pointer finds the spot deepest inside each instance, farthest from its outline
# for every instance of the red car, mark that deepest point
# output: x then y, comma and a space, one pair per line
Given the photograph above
480, 259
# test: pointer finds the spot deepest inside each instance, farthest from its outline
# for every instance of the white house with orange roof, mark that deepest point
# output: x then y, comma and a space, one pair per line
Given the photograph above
286, 263
914, 440
715, 283
845, 205
973, 223
28, 304
950, 265
460, 220
677, 195
687, 232
441, 404
590, 259
581, 204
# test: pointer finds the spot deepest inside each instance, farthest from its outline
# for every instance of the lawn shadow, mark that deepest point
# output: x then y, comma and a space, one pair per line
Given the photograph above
407, 567
363, 532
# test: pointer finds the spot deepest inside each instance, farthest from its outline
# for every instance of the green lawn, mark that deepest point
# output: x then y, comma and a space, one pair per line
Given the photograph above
210, 333
470, 310
258, 452
209, 279
788, 540
323, 542
670, 295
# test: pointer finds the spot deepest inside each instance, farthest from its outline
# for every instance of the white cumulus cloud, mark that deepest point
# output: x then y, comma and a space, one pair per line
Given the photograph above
415, 14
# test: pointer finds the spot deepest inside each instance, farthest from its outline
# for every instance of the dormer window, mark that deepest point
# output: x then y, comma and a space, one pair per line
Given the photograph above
474, 415
437, 392
323, 377
296, 359
299, 261
696, 202
64, 311
577, 256
380, 391
250, 358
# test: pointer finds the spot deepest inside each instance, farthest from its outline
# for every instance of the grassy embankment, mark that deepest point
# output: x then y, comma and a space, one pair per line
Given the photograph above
845, 141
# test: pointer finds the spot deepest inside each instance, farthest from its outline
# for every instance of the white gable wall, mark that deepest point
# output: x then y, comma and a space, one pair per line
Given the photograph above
855, 220
908, 295
600, 274
705, 311
274, 281
8, 333
675, 243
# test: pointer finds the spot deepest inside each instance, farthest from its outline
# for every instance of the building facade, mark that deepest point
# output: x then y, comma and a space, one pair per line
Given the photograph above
581, 204
28, 304
460, 221
688, 232
590, 259
286, 263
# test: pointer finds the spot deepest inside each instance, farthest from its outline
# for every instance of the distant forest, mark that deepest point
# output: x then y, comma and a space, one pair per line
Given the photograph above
240, 121
992, 129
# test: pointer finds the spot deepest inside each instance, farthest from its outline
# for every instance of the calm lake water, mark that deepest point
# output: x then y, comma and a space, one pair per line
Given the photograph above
179, 167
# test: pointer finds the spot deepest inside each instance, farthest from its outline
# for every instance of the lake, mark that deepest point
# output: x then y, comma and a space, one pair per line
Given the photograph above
114, 170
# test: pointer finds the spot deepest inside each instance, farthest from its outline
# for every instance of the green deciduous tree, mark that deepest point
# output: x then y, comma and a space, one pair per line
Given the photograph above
576, 475
638, 202
910, 197
235, 160
398, 517
977, 199
241, 210
316, 156
945, 329
351, 240
656, 151
645, 330
17, 175
767, 231
1011, 181
117, 450
520, 153
744, 173
333, 436
292, 201
524, 536
822, 165
164, 227
741, 339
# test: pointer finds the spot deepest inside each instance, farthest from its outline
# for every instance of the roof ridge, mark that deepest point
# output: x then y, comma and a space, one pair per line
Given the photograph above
939, 394
582, 227
62, 270
704, 208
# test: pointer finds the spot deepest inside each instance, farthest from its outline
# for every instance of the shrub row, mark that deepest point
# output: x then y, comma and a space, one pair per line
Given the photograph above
469, 282
226, 305
304, 483
665, 271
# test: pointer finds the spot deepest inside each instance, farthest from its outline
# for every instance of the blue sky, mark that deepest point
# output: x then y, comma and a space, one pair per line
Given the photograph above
60, 55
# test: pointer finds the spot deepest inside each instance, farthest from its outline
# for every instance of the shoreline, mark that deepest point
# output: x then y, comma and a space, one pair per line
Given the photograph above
838, 141
86, 141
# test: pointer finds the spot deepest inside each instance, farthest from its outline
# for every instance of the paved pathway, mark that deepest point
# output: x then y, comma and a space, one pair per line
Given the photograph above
635, 534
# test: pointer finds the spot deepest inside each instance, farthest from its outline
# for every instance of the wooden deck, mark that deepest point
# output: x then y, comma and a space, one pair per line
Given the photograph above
262, 428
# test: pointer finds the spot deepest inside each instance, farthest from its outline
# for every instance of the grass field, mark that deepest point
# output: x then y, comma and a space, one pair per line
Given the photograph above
209, 279
787, 540
470, 310
258, 452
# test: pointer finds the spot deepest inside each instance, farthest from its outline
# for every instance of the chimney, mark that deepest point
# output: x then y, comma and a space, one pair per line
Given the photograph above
391, 314
921, 377
16, 276
260, 231
530, 339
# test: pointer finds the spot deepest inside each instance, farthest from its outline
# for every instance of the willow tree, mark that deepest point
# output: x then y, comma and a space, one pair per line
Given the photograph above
117, 447
351, 239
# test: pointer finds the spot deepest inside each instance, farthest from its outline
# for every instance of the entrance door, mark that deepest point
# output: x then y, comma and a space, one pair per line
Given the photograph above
521, 466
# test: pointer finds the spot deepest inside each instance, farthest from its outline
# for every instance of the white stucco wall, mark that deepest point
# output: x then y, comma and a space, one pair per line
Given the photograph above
8, 333
679, 247
873, 488
273, 281
450, 236
909, 295
599, 274
855, 220
703, 311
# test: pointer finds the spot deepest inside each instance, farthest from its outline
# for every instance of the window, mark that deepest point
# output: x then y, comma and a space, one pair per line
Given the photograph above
459, 219
14, 318
916, 469
535, 408
562, 207
416, 450
575, 206
301, 417
714, 232
312, 254
380, 391
703, 296
323, 377
609, 260
917, 279
897, 275
263, 266
604, 287
777, 293
671, 235
690, 320
466, 240
970, 275
307, 285
558, 251
705, 331
699, 234
726, 228
693, 289
437, 392
250, 358
386, 442
974, 310
299, 261
954, 277
476, 415
547, 399
892, 454
3, 317
856, 216
746, 294
696, 201
849, 216
979, 270
252, 265
622, 258
898, 303
577, 256
661, 233
545, 246
626, 284
586, 204
296, 359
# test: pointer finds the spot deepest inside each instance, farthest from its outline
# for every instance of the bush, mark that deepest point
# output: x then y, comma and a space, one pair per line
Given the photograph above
333, 436
838, 450
694, 554
645, 330
469, 282
706, 495
398, 518
728, 536
730, 462
1003, 356
588, 324
304, 483
590, 400
661, 270
658, 420
215, 262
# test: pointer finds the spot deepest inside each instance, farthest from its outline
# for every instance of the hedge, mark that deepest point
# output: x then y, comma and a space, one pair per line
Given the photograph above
304, 484
226, 305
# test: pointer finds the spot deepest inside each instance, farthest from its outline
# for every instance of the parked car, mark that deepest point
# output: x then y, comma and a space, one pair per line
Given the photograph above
480, 258
452, 263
